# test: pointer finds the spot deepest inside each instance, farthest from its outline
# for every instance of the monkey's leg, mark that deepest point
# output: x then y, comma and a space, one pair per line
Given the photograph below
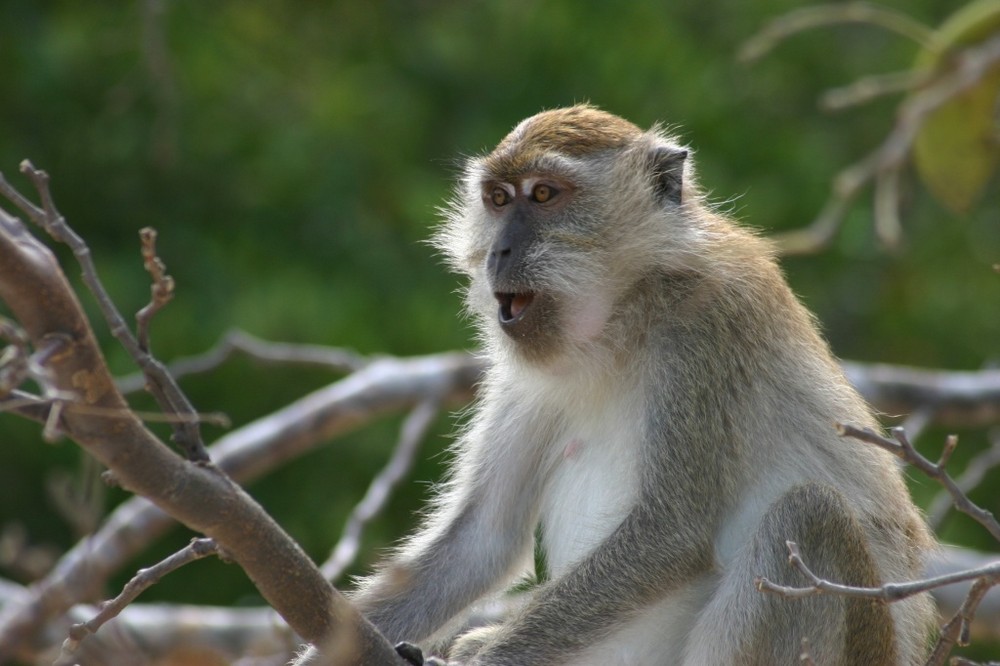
743, 626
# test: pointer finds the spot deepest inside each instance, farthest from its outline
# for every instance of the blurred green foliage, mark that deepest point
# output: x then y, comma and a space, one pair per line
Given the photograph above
292, 156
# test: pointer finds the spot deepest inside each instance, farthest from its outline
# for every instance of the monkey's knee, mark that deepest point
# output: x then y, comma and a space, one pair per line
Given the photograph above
830, 538
834, 546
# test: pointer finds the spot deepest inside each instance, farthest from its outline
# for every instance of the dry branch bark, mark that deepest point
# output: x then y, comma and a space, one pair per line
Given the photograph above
958, 399
388, 385
199, 495
384, 386
98, 417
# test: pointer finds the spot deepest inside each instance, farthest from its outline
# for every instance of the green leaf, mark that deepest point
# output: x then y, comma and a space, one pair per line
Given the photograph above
957, 148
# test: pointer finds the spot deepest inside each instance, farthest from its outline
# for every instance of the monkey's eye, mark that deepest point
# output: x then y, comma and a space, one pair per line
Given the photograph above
499, 197
543, 193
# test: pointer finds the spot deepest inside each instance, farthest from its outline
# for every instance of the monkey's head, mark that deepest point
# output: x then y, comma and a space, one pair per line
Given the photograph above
554, 226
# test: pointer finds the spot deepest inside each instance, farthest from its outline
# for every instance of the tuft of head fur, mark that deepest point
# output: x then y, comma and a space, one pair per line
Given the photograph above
614, 230
576, 131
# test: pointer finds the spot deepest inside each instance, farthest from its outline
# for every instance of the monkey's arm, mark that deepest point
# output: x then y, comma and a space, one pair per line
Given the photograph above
664, 542
634, 567
476, 538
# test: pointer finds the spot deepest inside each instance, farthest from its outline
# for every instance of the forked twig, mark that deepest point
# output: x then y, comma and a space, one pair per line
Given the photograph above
889, 593
143, 580
956, 630
930, 90
380, 490
168, 394
901, 447
974, 473
265, 351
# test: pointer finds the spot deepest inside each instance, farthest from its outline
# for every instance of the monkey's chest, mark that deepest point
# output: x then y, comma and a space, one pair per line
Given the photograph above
591, 489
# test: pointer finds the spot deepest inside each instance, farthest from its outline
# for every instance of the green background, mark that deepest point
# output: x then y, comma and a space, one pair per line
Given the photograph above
292, 156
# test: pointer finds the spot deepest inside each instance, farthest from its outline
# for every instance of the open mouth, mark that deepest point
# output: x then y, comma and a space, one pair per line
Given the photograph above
513, 306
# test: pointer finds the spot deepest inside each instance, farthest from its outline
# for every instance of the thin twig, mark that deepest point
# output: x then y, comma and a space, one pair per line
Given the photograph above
872, 87
889, 593
27, 405
967, 399
888, 227
18, 364
384, 386
380, 490
168, 394
40, 409
823, 15
161, 291
900, 447
956, 631
143, 580
974, 473
340, 360
967, 69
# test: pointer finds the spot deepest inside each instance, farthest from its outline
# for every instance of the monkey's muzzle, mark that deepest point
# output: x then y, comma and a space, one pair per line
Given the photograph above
513, 306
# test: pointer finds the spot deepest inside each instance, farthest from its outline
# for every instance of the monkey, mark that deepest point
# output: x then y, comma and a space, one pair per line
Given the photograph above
658, 413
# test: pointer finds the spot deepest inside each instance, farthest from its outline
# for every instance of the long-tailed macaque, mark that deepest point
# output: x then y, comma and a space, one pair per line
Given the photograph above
659, 409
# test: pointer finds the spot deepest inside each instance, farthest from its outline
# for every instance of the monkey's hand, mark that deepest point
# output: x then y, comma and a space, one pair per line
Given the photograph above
415, 656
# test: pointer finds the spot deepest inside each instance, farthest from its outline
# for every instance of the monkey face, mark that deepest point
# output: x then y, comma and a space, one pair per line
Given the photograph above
549, 226
522, 212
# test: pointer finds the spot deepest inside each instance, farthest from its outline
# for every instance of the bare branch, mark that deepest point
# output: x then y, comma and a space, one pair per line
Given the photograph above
969, 399
968, 68
163, 387
154, 633
975, 472
27, 405
380, 490
952, 559
966, 399
161, 291
872, 87
156, 629
143, 580
385, 386
956, 631
41, 299
14, 358
889, 593
259, 350
902, 449
816, 16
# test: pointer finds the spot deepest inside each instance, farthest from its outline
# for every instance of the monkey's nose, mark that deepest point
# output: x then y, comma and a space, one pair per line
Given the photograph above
497, 262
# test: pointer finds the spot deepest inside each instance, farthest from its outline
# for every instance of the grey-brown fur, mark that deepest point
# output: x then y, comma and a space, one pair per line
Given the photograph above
665, 408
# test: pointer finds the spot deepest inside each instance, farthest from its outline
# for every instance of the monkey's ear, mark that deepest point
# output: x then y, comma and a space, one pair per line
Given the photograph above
668, 173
